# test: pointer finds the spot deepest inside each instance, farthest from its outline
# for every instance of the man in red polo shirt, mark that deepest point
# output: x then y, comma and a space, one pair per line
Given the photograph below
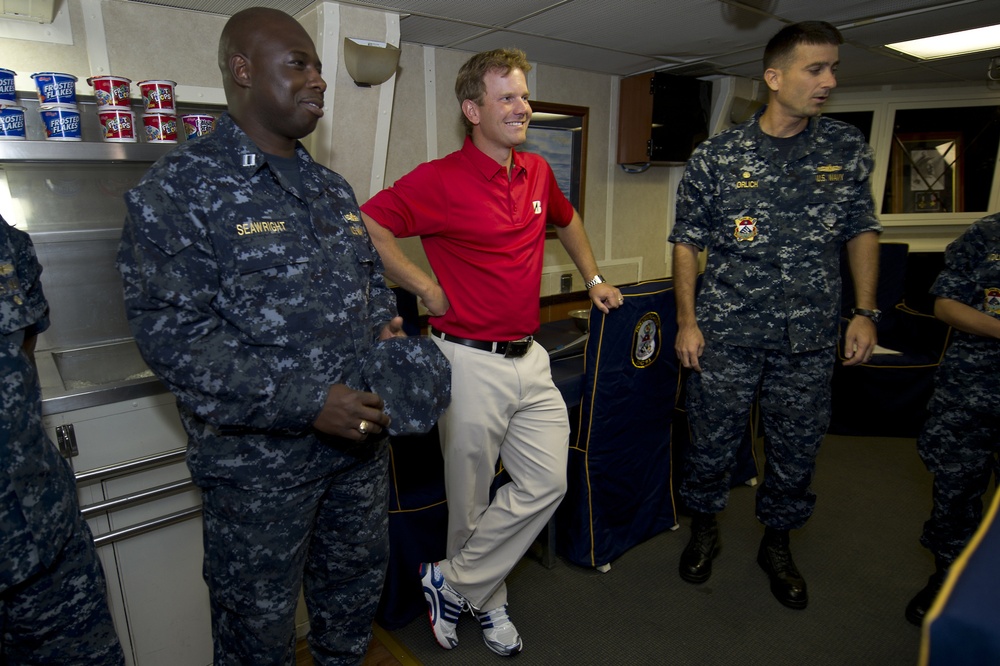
481, 213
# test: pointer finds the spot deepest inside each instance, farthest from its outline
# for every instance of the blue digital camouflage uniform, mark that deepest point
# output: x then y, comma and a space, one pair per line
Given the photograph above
249, 298
773, 222
961, 439
53, 604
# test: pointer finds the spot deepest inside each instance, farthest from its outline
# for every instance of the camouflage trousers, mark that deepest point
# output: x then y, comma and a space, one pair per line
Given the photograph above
959, 447
60, 614
794, 394
327, 536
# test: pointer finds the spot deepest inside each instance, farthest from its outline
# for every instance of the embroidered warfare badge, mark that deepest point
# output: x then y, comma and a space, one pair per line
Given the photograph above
746, 229
646, 340
992, 302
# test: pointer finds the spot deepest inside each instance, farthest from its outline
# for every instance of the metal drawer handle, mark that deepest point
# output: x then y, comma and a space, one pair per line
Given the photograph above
148, 526
129, 466
136, 498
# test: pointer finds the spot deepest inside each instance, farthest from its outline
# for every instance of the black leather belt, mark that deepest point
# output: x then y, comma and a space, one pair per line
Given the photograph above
507, 349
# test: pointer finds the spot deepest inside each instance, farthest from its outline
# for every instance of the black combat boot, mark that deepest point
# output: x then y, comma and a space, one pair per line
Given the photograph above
774, 557
917, 609
696, 560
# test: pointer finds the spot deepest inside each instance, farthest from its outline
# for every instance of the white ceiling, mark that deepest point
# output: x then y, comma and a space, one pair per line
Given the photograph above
689, 37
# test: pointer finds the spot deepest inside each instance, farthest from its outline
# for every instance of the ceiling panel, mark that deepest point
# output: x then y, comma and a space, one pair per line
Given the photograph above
627, 37
564, 54
230, 7
651, 28
498, 14
849, 11
436, 32
917, 26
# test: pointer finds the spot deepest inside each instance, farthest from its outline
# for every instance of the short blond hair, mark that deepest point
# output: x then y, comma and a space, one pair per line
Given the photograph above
471, 84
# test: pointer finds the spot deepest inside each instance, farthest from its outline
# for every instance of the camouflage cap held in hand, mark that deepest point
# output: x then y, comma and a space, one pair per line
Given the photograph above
413, 377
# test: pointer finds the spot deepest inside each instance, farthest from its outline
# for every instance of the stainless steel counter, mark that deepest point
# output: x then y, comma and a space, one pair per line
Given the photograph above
94, 375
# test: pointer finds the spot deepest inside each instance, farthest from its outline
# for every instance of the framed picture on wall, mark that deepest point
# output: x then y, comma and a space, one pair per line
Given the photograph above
927, 173
558, 132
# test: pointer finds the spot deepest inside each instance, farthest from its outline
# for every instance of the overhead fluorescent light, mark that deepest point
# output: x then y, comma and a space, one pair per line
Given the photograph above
952, 44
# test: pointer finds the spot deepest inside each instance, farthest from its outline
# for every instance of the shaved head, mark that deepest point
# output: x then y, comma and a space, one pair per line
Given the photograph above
272, 76
243, 30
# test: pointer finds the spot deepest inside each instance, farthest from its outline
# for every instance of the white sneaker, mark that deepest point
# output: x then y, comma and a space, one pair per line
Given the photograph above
444, 605
499, 632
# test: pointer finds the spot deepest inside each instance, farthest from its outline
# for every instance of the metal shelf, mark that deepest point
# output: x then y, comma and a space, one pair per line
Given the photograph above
81, 151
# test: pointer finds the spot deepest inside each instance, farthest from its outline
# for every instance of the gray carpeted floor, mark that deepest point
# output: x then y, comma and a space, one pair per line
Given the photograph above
859, 554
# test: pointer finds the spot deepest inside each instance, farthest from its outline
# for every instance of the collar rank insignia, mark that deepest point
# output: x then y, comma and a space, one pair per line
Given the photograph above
646, 340
746, 229
992, 302
351, 217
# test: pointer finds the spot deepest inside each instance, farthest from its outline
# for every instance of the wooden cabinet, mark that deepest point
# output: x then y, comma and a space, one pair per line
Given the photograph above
661, 118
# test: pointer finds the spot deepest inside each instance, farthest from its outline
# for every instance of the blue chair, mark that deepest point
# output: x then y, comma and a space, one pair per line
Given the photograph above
888, 395
631, 432
619, 471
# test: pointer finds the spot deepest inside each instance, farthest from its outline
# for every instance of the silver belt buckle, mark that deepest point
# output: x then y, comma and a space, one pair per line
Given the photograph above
518, 348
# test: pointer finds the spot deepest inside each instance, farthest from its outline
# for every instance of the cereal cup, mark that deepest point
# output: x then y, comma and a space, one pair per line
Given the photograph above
157, 95
196, 125
118, 125
11, 122
7, 91
55, 88
160, 127
112, 92
62, 121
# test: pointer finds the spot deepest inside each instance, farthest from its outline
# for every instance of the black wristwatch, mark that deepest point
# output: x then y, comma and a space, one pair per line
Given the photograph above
874, 315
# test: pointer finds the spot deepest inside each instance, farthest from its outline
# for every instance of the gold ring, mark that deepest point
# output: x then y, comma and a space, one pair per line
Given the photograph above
363, 427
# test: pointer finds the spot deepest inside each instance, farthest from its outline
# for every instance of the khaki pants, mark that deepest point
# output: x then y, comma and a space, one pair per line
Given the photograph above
506, 408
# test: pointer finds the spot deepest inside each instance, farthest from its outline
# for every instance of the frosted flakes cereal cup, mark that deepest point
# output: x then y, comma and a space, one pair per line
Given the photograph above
55, 88
118, 125
157, 95
7, 91
160, 127
112, 92
11, 122
62, 122
197, 124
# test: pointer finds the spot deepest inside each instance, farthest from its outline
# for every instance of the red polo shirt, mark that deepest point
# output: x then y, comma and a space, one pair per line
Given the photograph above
484, 235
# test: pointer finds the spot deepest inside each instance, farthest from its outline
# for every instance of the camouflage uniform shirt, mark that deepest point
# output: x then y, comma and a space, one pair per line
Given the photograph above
969, 376
37, 488
774, 222
249, 298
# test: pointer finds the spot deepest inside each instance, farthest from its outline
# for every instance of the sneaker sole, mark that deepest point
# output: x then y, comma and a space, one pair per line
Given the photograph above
431, 599
447, 645
495, 649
